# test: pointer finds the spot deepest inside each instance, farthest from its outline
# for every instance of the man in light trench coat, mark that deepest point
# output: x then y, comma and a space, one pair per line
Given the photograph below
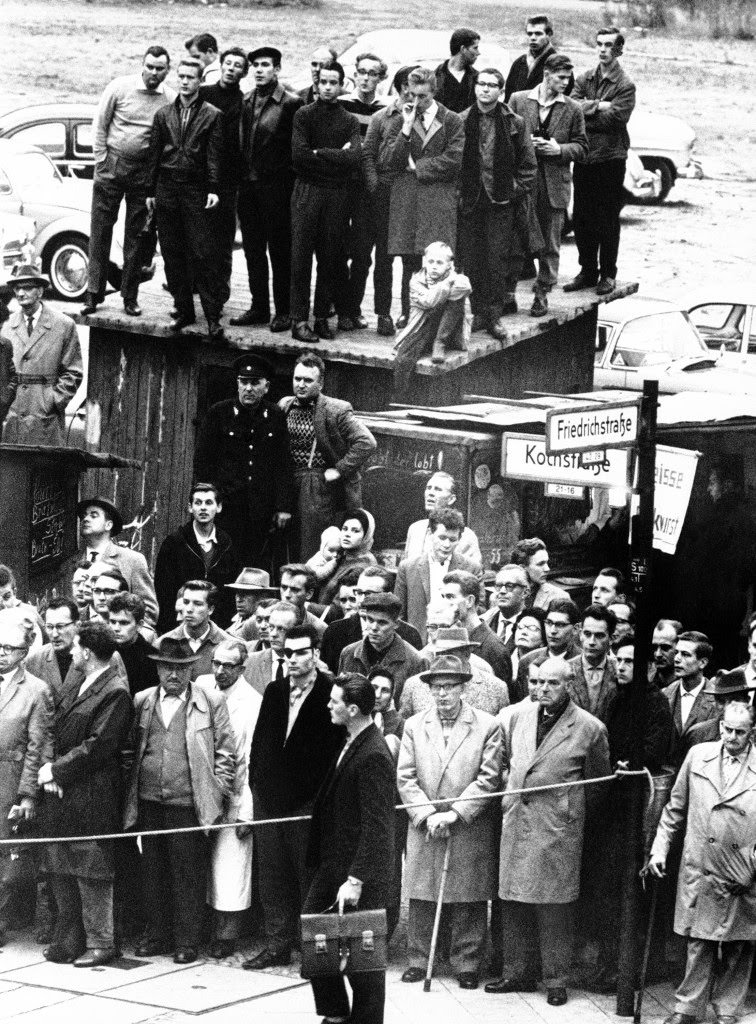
714, 800
449, 751
547, 741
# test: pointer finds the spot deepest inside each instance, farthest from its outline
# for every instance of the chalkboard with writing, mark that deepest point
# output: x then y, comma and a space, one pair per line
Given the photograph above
49, 509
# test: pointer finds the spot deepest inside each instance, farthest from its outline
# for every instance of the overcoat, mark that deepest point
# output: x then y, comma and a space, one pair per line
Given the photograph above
720, 828
25, 740
542, 835
424, 201
467, 765
49, 369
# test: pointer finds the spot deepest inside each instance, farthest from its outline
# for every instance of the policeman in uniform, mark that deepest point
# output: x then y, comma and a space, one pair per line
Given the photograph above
243, 447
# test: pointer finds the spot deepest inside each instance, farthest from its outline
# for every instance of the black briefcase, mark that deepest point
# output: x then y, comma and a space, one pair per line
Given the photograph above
352, 943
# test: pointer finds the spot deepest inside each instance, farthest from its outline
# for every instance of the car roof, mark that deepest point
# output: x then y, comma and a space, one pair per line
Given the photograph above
11, 146
635, 306
43, 111
727, 295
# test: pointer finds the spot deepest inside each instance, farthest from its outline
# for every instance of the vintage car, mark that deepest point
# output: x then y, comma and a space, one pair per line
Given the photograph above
16, 234
727, 323
61, 130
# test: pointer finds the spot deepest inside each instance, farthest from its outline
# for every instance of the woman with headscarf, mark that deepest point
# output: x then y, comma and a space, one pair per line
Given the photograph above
529, 635
356, 540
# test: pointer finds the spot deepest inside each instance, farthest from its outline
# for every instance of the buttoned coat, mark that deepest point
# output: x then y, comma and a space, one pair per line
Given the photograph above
720, 825
413, 587
536, 657
578, 687
542, 834
567, 127
25, 740
424, 201
210, 748
467, 765
704, 709
50, 369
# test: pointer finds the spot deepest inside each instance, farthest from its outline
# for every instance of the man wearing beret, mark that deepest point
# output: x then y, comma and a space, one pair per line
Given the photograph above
243, 447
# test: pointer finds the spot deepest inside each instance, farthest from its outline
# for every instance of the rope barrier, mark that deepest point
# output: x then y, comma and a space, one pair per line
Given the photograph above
37, 841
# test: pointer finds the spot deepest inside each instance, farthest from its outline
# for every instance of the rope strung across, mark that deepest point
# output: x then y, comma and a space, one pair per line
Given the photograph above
504, 793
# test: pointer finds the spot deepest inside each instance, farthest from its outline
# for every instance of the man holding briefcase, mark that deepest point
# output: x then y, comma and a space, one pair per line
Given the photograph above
351, 845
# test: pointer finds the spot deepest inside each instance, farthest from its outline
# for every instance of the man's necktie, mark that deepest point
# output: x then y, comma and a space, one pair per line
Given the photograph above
280, 671
30, 325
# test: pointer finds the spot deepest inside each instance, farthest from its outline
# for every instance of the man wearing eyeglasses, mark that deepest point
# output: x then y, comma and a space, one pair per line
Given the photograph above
293, 746
561, 641
52, 662
511, 589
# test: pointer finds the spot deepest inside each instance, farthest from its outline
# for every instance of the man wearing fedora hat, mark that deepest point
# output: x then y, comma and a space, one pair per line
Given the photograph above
724, 687
197, 550
250, 588
182, 774
243, 447
449, 751
47, 357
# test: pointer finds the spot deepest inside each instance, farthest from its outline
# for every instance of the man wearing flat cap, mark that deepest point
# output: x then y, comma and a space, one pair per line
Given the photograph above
250, 588
267, 181
48, 365
450, 751
182, 774
243, 448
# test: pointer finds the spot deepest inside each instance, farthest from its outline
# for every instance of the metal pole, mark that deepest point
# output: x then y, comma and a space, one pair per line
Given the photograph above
641, 549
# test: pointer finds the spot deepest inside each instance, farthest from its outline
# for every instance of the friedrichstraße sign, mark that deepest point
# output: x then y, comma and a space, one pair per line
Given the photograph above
524, 457
611, 425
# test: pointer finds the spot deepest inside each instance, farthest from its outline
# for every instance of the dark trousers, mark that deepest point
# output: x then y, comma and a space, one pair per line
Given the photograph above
368, 989
224, 234
538, 931
410, 265
438, 330
284, 876
383, 272
491, 254
319, 218
85, 913
319, 504
174, 875
265, 219
187, 241
598, 200
355, 257
115, 180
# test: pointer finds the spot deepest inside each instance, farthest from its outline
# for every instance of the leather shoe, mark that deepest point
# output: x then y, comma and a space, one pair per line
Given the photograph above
511, 985
251, 318
95, 957
268, 958
323, 329
279, 324
178, 323
509, 307
682, 1018
540, 305
360, 323
605, 286
414, 974
498, 329
90, 304
222, 948
152, 947
58, 955
468, 979
303, 332
346, 323
185, 955
402, 321
215, 331
580, 282
556, 996
386, 327
132, 309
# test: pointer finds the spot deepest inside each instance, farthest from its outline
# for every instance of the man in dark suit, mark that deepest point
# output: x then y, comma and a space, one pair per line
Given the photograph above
293, 746
526, 71
594, 677
557, 128
511, 590
381, 644
82, 785
420, 580
52, 662
351, 844
374, 579
688, 699
559, 626
267, 182
269, 665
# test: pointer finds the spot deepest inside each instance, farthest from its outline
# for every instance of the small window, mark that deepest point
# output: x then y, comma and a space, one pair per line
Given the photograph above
50, 138
712, 316
602, 337
83, 139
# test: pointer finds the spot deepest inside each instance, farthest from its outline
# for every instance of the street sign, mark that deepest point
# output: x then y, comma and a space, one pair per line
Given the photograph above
614, 425
524, 457
571, 491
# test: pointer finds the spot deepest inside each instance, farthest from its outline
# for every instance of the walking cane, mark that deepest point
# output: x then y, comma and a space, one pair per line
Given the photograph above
646, 951
437, 921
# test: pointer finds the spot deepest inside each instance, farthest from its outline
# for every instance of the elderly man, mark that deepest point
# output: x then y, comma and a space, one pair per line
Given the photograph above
229, 890
664, 647
449, 751
559, 626
547, 742
440, 492
122, 129
269, 665
196, 634
250, 588
243, 447
26, 714
713, 802
47, 359
82, 784
532, 555
511, 589
182, 775
329, 448
424, 151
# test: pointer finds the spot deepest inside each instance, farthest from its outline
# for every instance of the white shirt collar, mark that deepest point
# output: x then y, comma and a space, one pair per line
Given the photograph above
429, 114
691, 693
204, 542
196, 643
535, 94
177, 696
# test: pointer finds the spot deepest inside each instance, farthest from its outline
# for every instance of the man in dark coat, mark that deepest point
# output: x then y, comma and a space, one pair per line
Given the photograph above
243, 447
125, 616
456, 77
526, 71
198, 550
351, 842
82, 787
293, 746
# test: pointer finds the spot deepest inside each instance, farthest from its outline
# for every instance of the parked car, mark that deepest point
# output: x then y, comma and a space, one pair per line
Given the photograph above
64, 131
641, 339
16, 234
31, 185
727, 324
664, 144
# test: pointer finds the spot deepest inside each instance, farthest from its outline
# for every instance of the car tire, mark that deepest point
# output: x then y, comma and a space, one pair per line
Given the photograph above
667, 173
66, 260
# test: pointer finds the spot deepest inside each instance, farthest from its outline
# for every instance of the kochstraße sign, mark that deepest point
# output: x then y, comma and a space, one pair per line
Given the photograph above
614, 425
524, 457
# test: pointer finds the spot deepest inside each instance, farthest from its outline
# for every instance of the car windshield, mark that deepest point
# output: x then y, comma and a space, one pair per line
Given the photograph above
651, 340
29, 171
